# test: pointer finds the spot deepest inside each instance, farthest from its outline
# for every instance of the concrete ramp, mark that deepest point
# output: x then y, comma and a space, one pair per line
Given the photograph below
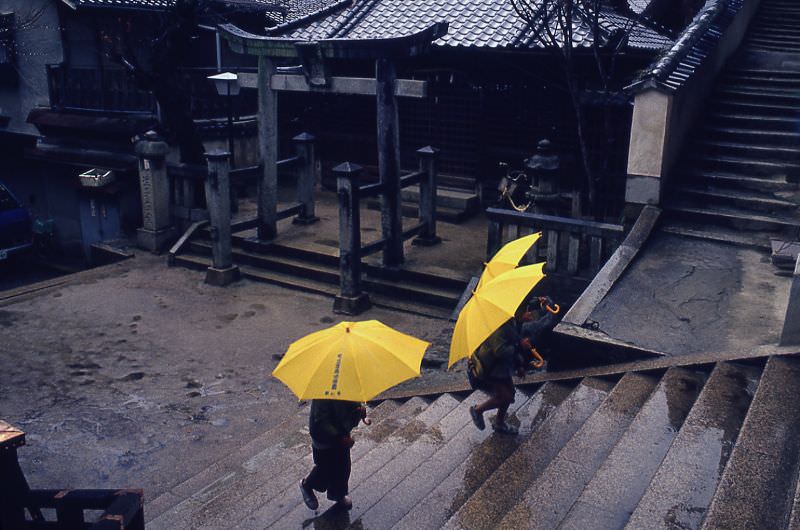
677, 295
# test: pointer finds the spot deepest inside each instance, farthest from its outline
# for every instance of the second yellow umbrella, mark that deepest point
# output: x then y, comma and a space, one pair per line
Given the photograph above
352, 361
490, 307
507, 258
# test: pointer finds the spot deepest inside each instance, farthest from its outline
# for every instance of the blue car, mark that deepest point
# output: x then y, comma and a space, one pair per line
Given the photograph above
15, 225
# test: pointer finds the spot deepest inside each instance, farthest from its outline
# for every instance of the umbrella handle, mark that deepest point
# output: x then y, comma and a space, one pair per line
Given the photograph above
554, 310
366, 421
539, 362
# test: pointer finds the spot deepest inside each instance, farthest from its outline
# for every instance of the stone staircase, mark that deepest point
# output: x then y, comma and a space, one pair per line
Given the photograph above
709, 445
738, 181
316, 269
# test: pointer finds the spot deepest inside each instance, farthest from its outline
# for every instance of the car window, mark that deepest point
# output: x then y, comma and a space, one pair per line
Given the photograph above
7, 202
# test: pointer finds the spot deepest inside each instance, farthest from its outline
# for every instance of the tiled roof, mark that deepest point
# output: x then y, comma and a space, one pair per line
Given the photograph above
473, 23
692, 48
134, 4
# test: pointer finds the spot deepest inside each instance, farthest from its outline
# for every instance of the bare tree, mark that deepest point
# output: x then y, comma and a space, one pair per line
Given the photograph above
553, 24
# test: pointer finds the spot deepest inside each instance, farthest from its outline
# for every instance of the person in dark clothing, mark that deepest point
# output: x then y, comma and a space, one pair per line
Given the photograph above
538, 329
491, 367
330, 424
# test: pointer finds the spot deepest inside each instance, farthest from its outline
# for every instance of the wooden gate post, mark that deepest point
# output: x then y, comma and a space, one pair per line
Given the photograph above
428, 164
351, 300
222, 271
304, 146
268, 149
389, 163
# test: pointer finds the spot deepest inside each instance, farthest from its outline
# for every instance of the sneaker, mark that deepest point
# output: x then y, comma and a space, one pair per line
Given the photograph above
344, 503
477, 418
309, 498
504, 428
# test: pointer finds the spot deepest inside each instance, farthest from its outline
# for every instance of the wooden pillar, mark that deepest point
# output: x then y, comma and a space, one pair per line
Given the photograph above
389, 163
222, 271
304, 146
268, 149
428, 164
351, 300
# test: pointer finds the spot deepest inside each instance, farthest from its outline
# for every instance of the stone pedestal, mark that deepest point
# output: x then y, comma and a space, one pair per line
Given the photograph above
351, 305
157, 230
155, 240
222, 277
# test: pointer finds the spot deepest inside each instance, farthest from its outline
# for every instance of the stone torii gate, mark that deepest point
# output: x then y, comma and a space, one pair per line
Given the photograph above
312, 76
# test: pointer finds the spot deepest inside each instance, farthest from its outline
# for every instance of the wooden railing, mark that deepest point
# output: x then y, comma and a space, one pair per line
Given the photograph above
571, 247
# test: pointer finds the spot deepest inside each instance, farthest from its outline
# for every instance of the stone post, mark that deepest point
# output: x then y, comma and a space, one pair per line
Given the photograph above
157, 229
428, 163
351, 300
222, 271
791, 324
304, 146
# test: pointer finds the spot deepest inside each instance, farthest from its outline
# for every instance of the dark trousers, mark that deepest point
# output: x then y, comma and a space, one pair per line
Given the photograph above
331, 472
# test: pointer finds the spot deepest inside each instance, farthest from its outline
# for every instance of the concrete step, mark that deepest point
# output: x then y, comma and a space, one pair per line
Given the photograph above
427, 473
554, 491
274, 498
736, 103
760, 477
751, 200
766, 87
756, 94
384, 484
738, 180
718, 234
454, 490
683, 486
447, 198
254, 482
329, 256
773, 48
276, 450
289, 281
616, 488
502, 490
736, 69
730, 217
443, 213
373, 462
784, 45
743, 149
781, 172
752, 121
406, 287
761, 77
223, 467
765, 137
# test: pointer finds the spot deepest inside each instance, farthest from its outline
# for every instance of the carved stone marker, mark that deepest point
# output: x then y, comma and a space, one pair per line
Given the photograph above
157, 229
222, 271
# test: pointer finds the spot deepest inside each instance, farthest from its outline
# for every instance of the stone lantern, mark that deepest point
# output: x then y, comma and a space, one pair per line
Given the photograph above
544, 169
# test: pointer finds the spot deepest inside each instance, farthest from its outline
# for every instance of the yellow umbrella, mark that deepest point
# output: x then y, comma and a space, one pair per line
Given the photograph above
507, 258
490, 307
352, 361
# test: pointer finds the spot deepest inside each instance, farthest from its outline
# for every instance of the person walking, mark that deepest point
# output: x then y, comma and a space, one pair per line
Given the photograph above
330, 425
491, 367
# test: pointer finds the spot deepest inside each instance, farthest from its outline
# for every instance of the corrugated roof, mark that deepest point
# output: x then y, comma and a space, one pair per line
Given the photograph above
473, 23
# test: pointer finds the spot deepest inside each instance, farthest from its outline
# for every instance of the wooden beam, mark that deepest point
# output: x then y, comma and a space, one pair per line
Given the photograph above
360, 86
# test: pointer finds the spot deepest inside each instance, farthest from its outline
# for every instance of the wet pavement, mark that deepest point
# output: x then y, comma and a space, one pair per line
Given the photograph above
695, 296
138, 375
